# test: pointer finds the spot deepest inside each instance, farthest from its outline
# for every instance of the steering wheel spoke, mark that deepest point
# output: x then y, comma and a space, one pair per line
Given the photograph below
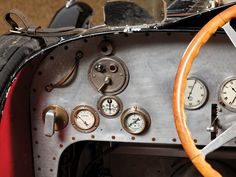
230, 33
220, 140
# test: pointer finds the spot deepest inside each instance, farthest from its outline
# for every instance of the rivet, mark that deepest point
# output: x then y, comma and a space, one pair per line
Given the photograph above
174, 140
66, 47
133, 138
113, 137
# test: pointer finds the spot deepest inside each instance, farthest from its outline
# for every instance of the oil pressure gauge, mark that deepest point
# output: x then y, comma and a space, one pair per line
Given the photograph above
195, 94
84, 119
227, 94
135, 120
109, 106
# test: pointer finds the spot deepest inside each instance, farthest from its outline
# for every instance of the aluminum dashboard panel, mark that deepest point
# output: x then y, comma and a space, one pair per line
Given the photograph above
152, 60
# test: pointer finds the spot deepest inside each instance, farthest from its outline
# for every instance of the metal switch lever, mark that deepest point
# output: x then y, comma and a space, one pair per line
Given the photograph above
55, 119
50, 118
106, 82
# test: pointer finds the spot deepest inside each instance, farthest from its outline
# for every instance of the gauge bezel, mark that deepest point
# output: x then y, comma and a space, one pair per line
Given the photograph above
74, 113
102, 99
221, 100
135, 110
125, 74
204, 101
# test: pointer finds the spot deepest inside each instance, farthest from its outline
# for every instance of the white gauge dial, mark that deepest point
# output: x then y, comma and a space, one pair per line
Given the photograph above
84, 119
228, 94
135, 120
109, 106
135, 123
195, 94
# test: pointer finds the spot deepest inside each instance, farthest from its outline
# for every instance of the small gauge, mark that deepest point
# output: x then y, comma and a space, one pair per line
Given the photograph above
195, 94
135, 120
84, 118
109, 106
227, 94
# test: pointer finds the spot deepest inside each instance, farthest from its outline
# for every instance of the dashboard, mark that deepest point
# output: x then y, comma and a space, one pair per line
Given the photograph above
118, 88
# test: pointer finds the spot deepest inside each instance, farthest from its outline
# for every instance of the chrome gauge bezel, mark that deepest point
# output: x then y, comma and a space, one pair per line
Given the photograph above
101, 111
74, 114
135, 110
221, 100
204, 100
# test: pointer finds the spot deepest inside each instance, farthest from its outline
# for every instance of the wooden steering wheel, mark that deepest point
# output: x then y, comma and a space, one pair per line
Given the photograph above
195, 155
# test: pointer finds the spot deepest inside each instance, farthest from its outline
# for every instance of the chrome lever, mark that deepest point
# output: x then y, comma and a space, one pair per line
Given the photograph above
49, 123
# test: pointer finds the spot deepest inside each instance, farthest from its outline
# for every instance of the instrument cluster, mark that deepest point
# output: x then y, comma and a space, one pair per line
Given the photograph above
196, 93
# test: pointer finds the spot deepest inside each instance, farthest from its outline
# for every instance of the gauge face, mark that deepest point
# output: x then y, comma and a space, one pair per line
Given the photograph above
195, 94
135, 120
135, 123
84, 119
227, 94
109, 106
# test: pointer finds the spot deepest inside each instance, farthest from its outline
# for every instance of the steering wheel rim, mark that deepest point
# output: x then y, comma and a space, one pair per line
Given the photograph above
185, 65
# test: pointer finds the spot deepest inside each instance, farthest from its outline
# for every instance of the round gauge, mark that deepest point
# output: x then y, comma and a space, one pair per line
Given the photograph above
227, 94
109, 106
195, 94
84, 118
135, 120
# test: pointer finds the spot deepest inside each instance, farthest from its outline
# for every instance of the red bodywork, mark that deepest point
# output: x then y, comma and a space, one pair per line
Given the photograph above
15, 132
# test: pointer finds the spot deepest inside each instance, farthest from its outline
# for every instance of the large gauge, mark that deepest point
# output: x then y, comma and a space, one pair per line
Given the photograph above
109, 106
84, 118
227, 94
195, 94
135, 120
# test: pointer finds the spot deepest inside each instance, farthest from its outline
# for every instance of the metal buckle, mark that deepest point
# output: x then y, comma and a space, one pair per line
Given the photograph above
16, 30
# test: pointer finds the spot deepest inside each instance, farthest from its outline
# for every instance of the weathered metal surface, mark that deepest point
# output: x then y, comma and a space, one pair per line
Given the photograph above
151, 59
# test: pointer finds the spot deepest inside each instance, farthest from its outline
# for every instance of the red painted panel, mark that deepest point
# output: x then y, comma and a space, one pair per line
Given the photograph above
15, 130
6, 152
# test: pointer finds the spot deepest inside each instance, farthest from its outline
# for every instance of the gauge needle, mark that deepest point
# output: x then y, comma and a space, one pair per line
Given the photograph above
134, 122
233, 89
233, 100
190, 93
85, 123
109, 102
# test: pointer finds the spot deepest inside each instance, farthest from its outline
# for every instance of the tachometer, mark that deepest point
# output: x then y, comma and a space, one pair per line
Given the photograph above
195, 94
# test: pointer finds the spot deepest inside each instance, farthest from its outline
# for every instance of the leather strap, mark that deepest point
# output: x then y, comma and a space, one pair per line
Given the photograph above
30, 29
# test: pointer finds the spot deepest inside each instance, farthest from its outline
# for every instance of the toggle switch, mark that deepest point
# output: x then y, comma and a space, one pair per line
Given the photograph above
55, 119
